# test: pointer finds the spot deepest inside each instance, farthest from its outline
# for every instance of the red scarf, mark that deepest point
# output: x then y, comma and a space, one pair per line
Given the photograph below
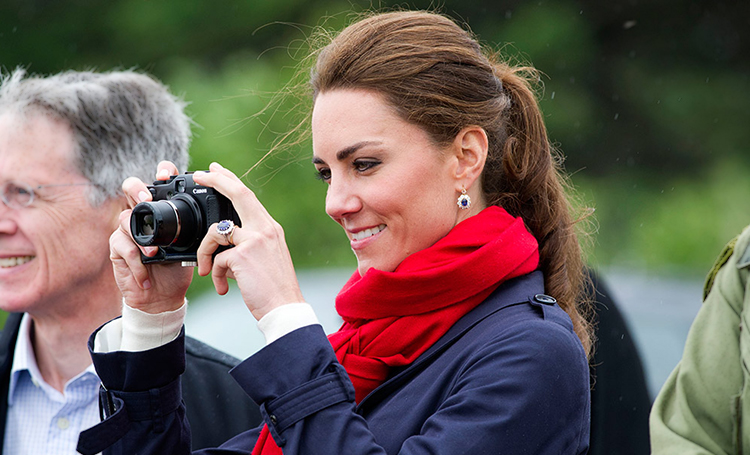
390, 318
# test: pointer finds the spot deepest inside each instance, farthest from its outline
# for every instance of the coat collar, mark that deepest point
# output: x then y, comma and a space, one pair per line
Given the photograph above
512, 292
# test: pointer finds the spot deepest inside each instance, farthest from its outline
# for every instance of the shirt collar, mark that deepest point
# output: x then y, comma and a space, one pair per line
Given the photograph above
25, 360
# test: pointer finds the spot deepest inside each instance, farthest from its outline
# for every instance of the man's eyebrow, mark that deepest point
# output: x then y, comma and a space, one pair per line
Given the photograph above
345, 153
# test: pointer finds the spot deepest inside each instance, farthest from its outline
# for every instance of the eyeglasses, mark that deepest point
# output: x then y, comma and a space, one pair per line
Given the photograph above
19, 194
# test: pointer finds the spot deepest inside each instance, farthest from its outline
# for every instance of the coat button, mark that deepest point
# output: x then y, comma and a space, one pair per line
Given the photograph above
273, 419
545, 299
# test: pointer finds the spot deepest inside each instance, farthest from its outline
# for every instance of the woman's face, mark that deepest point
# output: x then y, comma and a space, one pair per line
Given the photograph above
389, 186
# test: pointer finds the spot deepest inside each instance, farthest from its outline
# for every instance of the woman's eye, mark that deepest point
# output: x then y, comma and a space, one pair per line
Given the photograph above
323, 174
362, 165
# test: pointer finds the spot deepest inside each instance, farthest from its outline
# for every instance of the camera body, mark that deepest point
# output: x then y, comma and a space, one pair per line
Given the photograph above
178, 218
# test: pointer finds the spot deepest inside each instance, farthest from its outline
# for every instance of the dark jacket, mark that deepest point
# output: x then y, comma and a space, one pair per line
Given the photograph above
620, 401
217, 408
509, 378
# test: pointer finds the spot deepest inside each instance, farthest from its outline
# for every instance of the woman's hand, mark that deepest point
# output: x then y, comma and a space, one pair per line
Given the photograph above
154, 288
260, 260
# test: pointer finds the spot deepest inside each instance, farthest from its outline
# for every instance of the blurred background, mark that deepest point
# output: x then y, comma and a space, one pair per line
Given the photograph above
646, 99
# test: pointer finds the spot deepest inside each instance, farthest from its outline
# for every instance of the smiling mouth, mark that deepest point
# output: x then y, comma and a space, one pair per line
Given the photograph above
15, 261
361, 235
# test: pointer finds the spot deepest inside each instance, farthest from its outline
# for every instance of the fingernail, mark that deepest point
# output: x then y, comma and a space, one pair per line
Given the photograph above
198, 173
143, 196
147, 284
150, 250
162, 175
215, 164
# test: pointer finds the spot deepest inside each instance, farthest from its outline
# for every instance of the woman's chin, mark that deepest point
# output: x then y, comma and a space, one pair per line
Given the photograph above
365, 265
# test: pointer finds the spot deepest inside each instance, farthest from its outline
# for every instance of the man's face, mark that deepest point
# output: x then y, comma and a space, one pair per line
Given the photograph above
56, 249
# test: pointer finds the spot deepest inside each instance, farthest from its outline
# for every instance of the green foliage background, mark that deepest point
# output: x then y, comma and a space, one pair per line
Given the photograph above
648, 101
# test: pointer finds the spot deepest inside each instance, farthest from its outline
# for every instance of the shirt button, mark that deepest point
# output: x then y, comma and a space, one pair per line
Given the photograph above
63, 423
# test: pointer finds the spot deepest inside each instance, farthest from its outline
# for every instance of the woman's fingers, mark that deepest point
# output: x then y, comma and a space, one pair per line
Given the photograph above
211, 242
206, 250
126, 256
245, 202
135, 191
166, 169
259, 260
219, 276
152, 288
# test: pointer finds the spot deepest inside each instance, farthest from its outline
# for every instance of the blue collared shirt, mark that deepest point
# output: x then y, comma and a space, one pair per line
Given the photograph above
41, 420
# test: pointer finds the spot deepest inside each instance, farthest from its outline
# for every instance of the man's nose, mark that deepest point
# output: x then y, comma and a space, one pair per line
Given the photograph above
8, 225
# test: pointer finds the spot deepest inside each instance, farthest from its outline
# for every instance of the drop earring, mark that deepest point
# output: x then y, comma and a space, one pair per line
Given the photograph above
464, 201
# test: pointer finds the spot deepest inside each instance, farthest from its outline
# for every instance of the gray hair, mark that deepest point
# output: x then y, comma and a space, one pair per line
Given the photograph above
123, 122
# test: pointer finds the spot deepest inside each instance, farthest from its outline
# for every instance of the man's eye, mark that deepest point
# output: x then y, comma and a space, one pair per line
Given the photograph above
18, 191
323, 174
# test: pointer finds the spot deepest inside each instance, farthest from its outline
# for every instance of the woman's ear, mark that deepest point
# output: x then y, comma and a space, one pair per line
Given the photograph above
470, 147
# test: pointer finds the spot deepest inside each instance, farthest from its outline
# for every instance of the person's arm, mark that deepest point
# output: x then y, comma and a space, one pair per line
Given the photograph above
523, 392
127, 346
698, 409
140, 400
308, 401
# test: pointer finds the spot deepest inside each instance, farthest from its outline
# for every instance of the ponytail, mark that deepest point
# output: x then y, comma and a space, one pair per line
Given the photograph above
525, 178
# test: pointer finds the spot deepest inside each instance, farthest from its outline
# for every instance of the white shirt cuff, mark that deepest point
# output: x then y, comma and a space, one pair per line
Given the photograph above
286, 319
137, 330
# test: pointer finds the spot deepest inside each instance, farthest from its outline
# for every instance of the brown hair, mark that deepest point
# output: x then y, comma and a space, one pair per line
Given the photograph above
437, 76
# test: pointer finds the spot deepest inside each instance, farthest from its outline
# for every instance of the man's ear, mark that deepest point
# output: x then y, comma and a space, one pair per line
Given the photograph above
122, 203
111, 208
116, 205
470, 147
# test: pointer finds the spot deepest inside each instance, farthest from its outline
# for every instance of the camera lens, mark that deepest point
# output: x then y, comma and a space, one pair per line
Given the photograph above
154, 223
173, 222
147, 224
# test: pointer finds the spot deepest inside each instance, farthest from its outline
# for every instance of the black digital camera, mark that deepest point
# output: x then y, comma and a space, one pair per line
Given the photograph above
178, 217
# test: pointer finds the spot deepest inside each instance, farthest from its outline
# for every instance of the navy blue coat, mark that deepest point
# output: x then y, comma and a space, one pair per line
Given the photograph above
509, 378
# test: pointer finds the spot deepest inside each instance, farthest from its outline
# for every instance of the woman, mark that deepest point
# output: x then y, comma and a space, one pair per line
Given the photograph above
440, 172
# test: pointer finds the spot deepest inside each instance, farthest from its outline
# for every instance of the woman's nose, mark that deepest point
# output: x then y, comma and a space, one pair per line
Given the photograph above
341, 199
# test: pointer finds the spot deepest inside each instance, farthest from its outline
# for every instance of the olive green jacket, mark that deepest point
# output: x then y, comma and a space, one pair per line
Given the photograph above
704, 407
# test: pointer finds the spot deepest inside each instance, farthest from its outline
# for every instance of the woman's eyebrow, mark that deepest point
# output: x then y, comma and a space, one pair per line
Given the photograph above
345, 153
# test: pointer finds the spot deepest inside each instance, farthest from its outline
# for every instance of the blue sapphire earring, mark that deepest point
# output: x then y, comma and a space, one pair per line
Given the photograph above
464, 201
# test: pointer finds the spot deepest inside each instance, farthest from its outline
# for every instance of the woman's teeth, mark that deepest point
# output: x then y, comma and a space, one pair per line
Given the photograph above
367, 232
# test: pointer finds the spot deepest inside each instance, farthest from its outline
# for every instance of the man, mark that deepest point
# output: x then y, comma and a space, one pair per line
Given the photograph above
67, 142
704, 407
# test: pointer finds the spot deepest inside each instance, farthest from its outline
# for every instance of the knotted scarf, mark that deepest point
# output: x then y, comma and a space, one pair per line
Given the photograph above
390, 318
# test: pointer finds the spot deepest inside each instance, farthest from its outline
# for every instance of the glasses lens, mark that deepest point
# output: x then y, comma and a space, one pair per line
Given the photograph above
17, 194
